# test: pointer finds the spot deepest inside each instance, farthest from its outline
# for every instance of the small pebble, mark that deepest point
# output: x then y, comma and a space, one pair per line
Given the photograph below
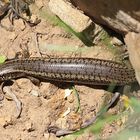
35, 93
46, 135
29, 127
116, 41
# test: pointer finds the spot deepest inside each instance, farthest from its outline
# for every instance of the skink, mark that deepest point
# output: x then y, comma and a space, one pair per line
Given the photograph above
75, 70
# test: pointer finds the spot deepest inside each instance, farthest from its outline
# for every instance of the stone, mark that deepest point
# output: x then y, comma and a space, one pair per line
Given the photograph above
78, 21
71, 16
35, 93
22, 84
132, 41
46, 136
29, 126
116, 41
121, 16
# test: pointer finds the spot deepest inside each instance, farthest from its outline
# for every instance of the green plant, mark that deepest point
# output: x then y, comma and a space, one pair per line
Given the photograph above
2, 59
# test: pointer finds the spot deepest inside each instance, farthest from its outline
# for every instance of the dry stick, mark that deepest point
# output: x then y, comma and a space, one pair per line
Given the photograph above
3, 11
12, 7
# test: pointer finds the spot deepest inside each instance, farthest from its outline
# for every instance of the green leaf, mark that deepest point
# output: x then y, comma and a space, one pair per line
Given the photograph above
2, 59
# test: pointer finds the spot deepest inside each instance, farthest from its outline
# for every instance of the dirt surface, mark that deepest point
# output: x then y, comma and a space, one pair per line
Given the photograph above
46, 104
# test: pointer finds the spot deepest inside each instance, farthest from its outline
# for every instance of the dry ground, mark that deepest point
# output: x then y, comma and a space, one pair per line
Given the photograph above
45, 105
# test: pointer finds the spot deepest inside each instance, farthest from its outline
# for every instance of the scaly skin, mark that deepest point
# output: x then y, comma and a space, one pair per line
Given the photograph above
75, 70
